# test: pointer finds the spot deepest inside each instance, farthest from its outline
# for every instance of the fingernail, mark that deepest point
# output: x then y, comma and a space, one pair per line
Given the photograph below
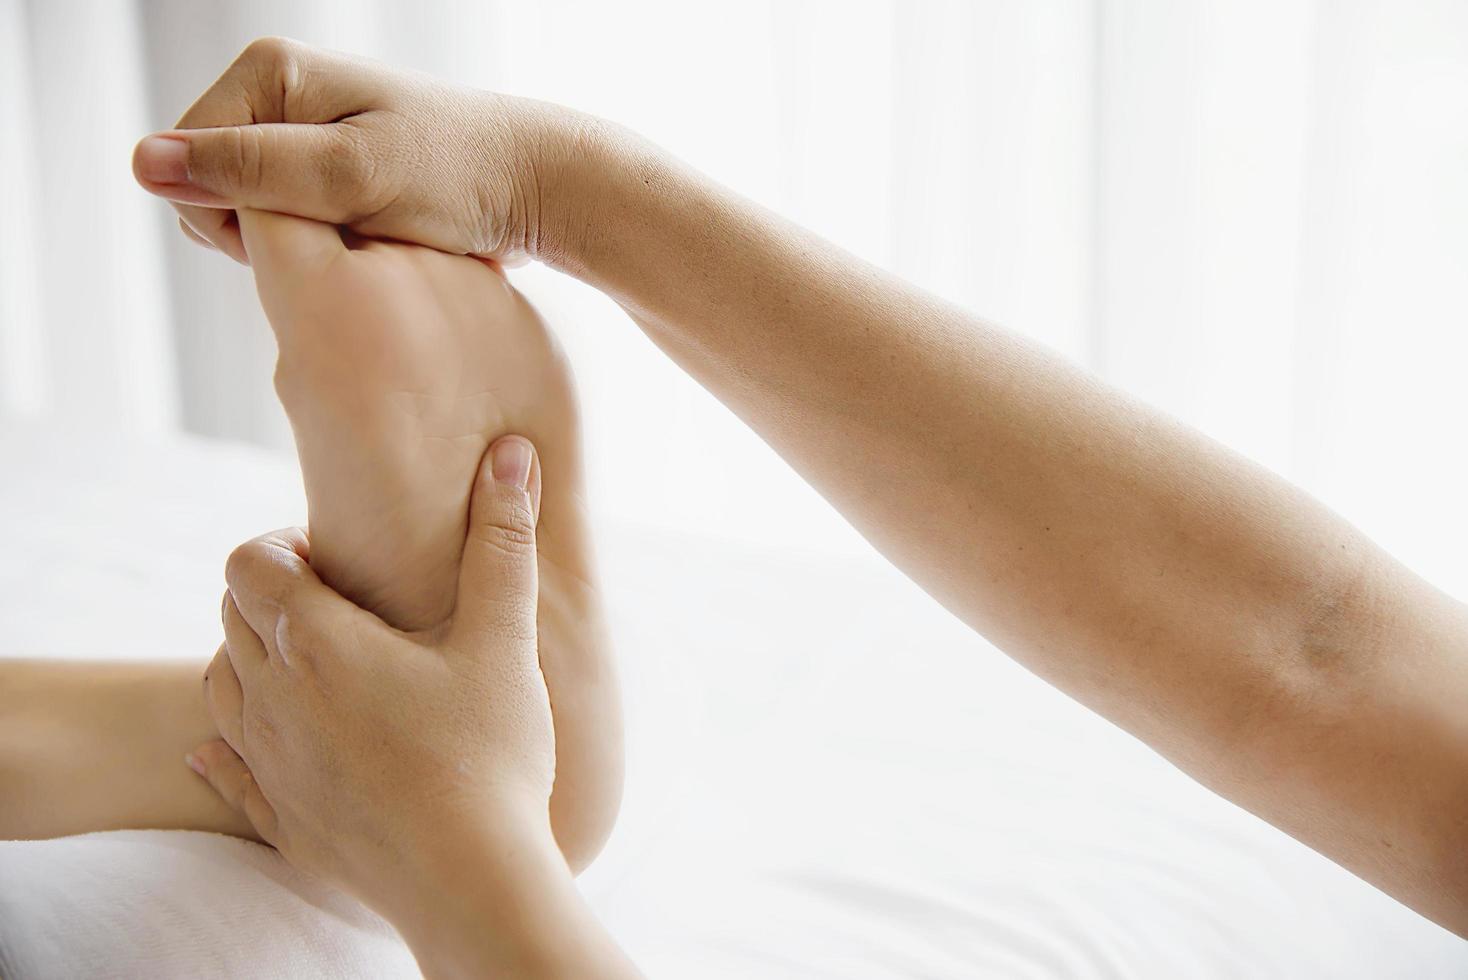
511, 462
194, 763
163, 160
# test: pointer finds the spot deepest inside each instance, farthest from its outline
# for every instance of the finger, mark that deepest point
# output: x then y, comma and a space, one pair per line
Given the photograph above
282, 244
225, 699
229, 776
194, 236
277, 79
161, 166
274, 80
280, 597
246, 650
320, 171
497, 576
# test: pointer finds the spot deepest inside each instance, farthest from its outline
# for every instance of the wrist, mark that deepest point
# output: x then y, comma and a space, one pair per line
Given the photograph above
595, 176
491, 900
531, 165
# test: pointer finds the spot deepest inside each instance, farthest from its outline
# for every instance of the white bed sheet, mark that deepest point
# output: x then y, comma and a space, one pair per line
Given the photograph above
828, 775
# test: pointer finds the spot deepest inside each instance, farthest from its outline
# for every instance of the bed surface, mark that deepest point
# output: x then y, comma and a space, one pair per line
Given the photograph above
828, 775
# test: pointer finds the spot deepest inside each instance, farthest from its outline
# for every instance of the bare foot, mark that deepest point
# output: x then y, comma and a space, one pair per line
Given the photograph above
398, 366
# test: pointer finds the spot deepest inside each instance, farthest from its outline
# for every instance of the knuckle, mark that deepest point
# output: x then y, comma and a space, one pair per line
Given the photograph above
250, 565
246, 160
267, 573
513, 538
518, 519
350, 175
292, 541
270, 49
239, 563
272, 68
343, 166
293, 635
518, 531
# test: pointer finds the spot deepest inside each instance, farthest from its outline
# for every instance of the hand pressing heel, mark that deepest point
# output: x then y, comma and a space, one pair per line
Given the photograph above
398, 366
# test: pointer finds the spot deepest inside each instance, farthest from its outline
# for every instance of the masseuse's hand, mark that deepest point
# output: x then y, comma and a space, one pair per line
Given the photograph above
412, 770
392, 154
341, 734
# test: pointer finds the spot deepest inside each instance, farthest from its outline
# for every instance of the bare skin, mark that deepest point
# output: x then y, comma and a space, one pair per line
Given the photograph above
130, 721
1240, 628
1235, 624
1225, 617
440, 742
397, 366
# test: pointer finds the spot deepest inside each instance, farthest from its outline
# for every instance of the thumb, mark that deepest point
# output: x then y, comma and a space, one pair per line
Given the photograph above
308, 169
498, 578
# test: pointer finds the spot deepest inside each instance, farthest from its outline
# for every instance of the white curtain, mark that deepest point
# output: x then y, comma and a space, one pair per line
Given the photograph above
1253, 214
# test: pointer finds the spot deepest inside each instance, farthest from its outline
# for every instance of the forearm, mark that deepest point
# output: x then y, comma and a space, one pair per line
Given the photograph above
1189, 595
1038, 504
489, 904
87, 746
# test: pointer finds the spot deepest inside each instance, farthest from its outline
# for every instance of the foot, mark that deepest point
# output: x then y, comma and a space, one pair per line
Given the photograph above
398, 366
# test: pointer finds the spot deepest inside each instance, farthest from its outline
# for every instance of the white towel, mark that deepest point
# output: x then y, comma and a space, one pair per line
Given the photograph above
177, 904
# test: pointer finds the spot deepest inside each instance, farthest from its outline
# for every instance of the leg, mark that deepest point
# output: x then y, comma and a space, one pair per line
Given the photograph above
99, 746
398, 366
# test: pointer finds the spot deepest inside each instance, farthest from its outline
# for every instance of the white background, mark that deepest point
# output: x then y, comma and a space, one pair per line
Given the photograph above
1252, 214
